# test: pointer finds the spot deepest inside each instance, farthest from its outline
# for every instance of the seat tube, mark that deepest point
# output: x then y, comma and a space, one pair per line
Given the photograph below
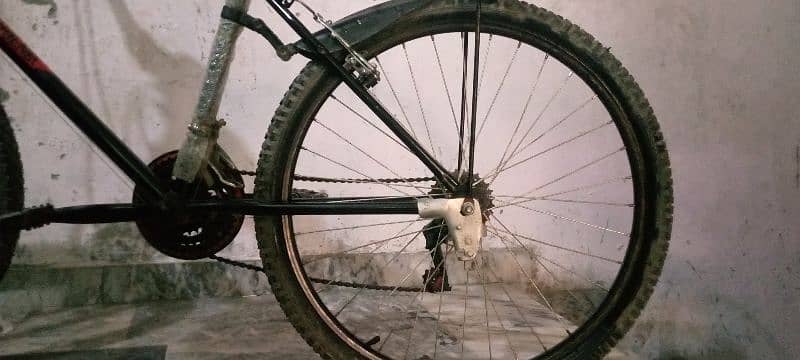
204, 127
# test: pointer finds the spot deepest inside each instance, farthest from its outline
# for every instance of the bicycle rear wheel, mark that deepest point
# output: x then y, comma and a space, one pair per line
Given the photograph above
11, 189
575, 186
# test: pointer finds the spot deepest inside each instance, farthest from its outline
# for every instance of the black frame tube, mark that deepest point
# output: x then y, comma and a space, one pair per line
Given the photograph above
113, 213
473, 122
122, 156
464, 75
439, 171
80, 114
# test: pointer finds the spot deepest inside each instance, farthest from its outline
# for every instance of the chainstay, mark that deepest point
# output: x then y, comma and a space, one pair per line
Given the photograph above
325, 281
351, 181
317, 280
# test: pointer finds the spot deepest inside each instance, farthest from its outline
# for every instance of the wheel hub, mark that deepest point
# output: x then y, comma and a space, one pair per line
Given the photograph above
480, 193
464, 218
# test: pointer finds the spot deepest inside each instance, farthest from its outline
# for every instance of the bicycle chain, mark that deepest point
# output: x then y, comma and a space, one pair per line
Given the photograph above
352, 181
353, 285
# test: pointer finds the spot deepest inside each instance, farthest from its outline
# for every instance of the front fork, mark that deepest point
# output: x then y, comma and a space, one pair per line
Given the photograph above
201, 139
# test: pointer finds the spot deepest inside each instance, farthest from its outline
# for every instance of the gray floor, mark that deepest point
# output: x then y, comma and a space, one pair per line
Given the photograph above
255, 328
241, 328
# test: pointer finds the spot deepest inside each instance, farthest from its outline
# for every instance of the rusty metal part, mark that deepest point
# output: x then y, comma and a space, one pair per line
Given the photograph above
435, 280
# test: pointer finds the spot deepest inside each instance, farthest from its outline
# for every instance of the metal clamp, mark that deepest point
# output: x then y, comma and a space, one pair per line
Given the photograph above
207, 130
366, 72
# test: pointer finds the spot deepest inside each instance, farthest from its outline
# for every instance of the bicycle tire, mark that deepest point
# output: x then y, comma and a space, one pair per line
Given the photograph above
572, 46
11, 188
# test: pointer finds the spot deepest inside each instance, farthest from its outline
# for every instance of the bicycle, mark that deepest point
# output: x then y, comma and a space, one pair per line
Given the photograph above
190, 204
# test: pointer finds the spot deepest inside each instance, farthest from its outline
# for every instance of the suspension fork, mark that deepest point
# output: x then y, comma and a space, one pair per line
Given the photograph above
201, 138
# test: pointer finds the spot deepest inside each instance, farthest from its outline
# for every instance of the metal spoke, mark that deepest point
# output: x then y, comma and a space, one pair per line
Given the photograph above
569, 191
391, 186
547, 302
439, 315
444, 81
483, 275
573, 172
562, 267
533, 283
411, 335
545, 151
359, 149
376, 127
536, 121
557, 124
380, 314
485, 60
394, 257
365, 245
519, 310
439, 241
566, 201
524, 111
591, 186
486, 310
494, 231
419, 98
359, 226
576, 221
537, 259
464, 323
412, 271
499, 88
420, 293
373, 251
396, 98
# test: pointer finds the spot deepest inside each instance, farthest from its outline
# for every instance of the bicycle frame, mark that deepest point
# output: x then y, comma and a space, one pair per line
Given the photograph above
201, 139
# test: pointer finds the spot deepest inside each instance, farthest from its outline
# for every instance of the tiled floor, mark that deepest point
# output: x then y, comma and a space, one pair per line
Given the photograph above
241, 328
255, 328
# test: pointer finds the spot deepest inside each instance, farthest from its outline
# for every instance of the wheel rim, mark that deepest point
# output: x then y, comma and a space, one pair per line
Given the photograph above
348, 328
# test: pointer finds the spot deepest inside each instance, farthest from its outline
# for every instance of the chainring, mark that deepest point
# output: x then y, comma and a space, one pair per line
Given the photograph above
186, 236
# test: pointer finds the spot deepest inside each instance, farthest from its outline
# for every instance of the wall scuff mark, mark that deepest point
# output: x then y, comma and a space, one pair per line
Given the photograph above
52, 13
796, 160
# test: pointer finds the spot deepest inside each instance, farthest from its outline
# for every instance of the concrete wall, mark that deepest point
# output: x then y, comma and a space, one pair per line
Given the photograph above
720, 75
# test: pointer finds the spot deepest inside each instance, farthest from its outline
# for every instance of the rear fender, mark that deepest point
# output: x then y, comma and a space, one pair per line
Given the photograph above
362, 25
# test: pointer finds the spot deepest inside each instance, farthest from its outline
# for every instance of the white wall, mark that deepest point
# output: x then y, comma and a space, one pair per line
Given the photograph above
721, 75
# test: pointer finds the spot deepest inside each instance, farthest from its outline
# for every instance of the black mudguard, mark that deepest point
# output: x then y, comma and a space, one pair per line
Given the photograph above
362, 25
